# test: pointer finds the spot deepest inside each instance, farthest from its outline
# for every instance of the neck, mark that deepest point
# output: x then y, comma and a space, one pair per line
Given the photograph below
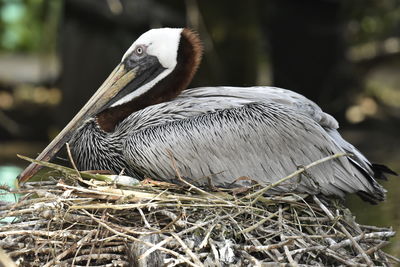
189, 56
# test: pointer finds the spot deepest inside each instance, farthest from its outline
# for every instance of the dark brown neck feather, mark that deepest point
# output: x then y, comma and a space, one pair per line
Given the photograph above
189, 57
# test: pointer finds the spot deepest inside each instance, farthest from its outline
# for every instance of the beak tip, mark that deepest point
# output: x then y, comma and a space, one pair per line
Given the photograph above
18, 178
22, 178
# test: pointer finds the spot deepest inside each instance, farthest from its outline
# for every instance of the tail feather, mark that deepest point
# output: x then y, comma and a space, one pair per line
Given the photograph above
370, 171
370, 198
380, 170
378, 194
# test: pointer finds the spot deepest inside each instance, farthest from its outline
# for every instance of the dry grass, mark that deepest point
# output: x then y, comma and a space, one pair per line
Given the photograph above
71, 221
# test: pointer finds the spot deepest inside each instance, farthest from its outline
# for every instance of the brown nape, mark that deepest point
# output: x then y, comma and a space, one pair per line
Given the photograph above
189, 57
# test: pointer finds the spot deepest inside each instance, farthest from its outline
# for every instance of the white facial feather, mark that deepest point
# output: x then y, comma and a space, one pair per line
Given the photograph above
162, 43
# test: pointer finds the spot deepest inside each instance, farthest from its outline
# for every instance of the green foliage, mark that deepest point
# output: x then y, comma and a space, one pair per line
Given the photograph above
21, 24
372, 20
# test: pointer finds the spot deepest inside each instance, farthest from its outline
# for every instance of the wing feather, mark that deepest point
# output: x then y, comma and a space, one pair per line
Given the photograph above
264, 141
266, 94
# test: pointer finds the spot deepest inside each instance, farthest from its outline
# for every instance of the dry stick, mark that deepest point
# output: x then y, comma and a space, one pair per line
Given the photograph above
33, 250
16, 213
373, 228
97, 256
204, 243
166, 240
255, 226
296, 218
344, 230
157, 196
375, 248
317, 247
250, 248
74, 166
253, 240
252, 259
310, 219
144, 205
260, 192
69, 250
72, 160
214, 252
289, 256
187, 250
134, 239
145, 220
92, 245
41, 202
281, 235
340, 258
375, 235
393, 258
274, 264
174, 221
113, 249
311, 236
143, 195
39, 233
85, 190
307, 249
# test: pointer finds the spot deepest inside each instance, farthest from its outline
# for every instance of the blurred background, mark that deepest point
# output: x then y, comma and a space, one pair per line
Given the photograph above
344, 55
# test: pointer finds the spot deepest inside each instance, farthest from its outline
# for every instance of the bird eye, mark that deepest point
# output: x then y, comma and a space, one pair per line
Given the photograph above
139, 50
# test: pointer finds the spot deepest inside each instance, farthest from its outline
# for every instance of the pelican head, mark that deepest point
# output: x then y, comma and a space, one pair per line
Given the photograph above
156, 68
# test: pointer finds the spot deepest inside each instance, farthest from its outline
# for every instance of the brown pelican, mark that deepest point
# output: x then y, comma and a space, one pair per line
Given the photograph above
142, 112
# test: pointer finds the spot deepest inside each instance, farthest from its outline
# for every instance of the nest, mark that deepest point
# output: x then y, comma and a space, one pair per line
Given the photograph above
71, 221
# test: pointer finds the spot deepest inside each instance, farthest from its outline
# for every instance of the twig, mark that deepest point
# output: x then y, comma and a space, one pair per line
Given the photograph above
344, 230
144, 219
255, 226
393, 258
289, 256
375, 249
340, 258
214, 251
68, 251
94, 256
206, 237
302, 250
170, 224
71, 159
176, 219
59, 233
253, 260
363, 236
187, 250
163, 242
263, 248
139, 240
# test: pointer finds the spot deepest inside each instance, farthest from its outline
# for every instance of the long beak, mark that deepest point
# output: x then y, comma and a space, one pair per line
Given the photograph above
117, 80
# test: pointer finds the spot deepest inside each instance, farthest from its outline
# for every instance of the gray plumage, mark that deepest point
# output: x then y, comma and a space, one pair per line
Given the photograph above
219, 134
140, 116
